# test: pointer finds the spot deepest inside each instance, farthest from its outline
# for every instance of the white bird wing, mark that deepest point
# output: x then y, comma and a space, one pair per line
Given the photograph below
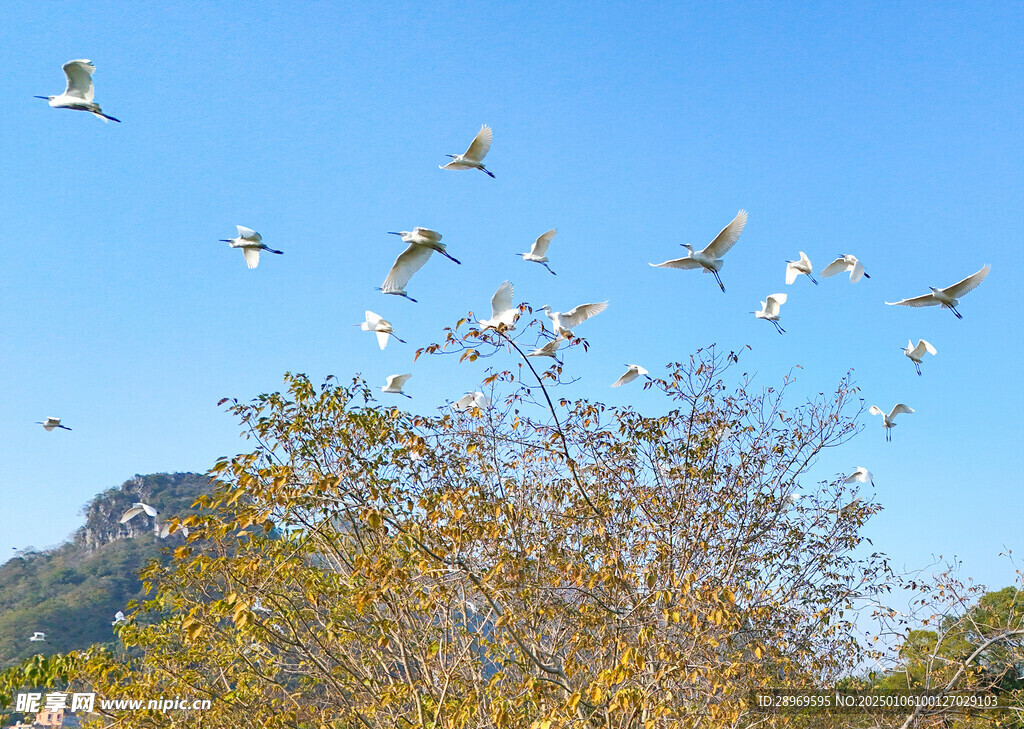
899, 408
128, 515
857, 272
481, 145
148, 509
968, 284
427, 233
627, 376
805, 260
382, 339
540, 246
837, 266
928, 346
683, 263
372, 320
875, 410
481, 400
727, 238
791, 273
408, 262
79, 74
252, 257
923, 300
501, 302
463, 403
640, 370
397, 380
773, 302
51, 423
579, 314
248, 234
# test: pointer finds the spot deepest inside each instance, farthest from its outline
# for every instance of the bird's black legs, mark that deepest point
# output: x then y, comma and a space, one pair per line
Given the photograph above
549, 270
720, 284
778, 327
486, 171
918, 367
953, 309
813, 281
450, 257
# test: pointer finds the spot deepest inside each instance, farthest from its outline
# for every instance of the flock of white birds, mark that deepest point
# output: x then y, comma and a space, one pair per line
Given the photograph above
423, 242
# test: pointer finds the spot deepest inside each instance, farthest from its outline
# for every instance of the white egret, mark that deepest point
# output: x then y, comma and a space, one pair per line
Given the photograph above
251, 244
795, 268
564, 322
770, 310
118, 618
916, 354
888, 420
503, 311
50, 423
845, 262
948, 297
425, 237
471, 400
78, 94
473, 158
137, 508
632, 372
381, 326
710, 259
548, 350
394, 386
861, 475
38, 636
422, 243
792, 498
539, 250
257, 607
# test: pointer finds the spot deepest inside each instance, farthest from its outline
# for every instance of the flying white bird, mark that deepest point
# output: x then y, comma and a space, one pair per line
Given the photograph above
539, 250
548, 350
79, 92
37, 636
795, 268
422, 243
137, 508
379, 325
50, 423
474, 156
471, 400
564, 322
394, 386
118, 618
770, 310
845, 262
631, 374
251, 244
887, 420
948, 297
794, 497
861, 475
710, 259
916, 354
503, 311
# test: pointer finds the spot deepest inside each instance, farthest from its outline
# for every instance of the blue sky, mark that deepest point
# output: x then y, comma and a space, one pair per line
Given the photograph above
890, 131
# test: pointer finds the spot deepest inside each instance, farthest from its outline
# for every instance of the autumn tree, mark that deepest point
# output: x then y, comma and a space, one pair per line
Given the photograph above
539, 563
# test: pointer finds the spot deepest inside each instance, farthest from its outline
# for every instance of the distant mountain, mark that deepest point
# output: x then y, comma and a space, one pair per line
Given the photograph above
71, 592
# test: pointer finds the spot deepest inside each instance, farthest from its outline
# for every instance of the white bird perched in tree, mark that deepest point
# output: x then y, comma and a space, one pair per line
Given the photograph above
916, 354
503, 311
548, 350
710, 259
137, 508
539, 250
118, 618
861, 475
251, 244
50, 423
948, 297
473, 158
845, 262
795, 268
422, 243
770, 310
564, 322
888, 420
381, 326
792, 498
632, 372
471, 400
38, 636
394, 386
78, 94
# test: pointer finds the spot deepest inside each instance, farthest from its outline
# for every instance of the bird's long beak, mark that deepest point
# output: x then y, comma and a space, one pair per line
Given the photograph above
450, 155
41, 97
224, 240
391, 232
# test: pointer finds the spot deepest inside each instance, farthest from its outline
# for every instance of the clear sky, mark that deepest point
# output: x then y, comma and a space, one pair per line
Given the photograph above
891, 131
